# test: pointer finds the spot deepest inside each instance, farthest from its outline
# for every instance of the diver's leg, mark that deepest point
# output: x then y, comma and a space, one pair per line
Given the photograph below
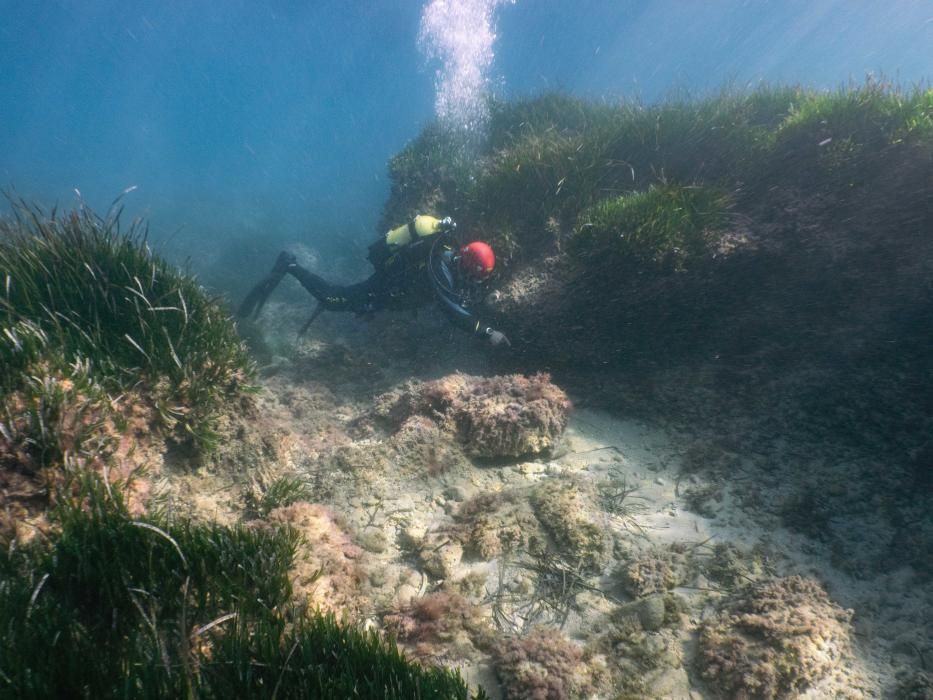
327, 294
358, 298
257, 296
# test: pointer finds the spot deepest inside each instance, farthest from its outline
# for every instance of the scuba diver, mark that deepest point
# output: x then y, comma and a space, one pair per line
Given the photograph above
412, 263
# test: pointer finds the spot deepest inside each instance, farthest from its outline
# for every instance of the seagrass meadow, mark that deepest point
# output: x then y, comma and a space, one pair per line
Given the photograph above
119, 606
86, 300
106, 347
753, 247
379, 509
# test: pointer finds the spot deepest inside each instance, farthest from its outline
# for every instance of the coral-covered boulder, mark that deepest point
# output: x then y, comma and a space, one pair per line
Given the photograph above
501, 416
773, 639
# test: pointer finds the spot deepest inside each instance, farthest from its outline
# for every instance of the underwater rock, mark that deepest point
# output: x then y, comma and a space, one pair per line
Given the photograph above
644, 649
251, 437
327, 571
440, 555
357, 458
915, 684
411, 537
425, 448
648, 614
773, 639
419, 446
490, 524
406, 593
18, 521
439, 626
652, 571
492, 417
543, 665
729, 566
561, 508
86, 431
651, 612
374, 540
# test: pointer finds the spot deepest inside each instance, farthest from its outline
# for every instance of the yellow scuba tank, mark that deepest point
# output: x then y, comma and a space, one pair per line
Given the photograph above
420, 227
382, 252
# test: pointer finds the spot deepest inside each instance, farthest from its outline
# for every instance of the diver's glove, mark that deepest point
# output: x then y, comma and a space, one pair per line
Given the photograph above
497, 338
258, 295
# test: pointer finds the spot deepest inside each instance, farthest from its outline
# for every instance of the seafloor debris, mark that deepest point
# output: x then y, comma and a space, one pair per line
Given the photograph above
773, 639
493, 417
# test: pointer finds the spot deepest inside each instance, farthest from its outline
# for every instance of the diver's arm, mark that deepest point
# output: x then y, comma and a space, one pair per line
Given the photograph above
462, 318
458, 315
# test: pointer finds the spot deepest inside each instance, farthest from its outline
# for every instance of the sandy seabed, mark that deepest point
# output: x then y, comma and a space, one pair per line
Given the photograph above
462, 559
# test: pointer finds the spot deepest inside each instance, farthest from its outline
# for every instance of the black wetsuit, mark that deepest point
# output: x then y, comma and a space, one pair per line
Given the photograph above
406, 277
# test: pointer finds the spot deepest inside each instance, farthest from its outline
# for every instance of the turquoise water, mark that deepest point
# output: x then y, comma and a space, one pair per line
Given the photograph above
276, 119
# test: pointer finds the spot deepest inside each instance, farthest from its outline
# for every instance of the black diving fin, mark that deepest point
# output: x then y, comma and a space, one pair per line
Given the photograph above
258, 295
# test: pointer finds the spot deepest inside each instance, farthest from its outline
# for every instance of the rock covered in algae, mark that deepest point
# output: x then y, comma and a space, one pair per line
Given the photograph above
562, 509
328, 571
440, 555
439, 626
544, 665
655, 570
914, 684
773, 639
490, 524
492, 417
86, 428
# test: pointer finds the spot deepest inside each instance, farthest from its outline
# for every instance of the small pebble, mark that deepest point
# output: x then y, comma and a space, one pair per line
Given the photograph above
659, 481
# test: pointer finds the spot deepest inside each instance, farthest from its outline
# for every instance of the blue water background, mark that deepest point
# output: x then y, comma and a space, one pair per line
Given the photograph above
273, 121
